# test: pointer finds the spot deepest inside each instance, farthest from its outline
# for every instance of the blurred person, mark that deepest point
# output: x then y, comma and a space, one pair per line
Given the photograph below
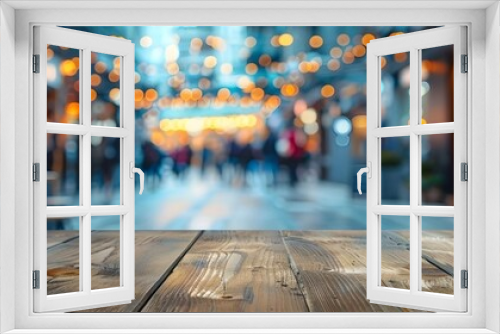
296, 153
152, 162
182, 160
270, 158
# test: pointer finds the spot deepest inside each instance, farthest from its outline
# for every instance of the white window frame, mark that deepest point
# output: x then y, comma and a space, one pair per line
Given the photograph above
413, 43
483, 307
86, 297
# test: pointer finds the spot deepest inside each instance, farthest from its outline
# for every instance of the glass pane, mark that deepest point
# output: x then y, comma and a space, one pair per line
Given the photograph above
437, 84
437, 169
395, 252
105, 93
63, 170
105, 154
63, 255
105, 252
395, 171
395, 89
63, 90
437, 254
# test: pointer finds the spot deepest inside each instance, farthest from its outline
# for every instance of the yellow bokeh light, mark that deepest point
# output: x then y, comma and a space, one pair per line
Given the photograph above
186, 94
309, 116
285, 39
73, 110
289, 89
68, 68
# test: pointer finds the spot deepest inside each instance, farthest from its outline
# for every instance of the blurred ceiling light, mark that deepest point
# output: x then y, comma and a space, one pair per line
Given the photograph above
285, 39
316, 41
146, 41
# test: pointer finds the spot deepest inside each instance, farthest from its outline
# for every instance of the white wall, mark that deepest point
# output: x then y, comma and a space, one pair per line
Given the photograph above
493, 167
7, 185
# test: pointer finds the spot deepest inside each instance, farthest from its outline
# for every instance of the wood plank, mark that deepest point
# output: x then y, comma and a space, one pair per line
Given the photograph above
437, 258
155, 253
231, 271
55, 237
332, 267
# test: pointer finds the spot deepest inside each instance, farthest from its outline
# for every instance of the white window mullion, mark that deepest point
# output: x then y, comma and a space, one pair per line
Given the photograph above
414, 170
85, 165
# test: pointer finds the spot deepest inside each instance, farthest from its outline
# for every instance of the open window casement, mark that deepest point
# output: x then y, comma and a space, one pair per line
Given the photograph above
71, 125
411, 127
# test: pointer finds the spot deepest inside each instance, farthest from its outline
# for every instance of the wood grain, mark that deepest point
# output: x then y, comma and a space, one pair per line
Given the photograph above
231, 271
156, 252
331, 265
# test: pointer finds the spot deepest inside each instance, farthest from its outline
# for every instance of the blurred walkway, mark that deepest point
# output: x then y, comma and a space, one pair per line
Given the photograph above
206, 203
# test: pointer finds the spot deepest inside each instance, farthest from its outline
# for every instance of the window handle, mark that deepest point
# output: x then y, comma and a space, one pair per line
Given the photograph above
368, 171
133, 170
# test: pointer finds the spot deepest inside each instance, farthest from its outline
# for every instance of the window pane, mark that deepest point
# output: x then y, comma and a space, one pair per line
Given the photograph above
437, 84
105, 154
105, 252
395, 252
105, 93
437, 254
437, 169
395, 88
63, 170
63, 255
63, 91
395, 171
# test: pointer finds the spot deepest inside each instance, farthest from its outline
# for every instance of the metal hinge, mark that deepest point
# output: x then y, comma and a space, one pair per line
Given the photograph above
36, 279
36, 172
465, 279
464, 171
36, 63
465, 64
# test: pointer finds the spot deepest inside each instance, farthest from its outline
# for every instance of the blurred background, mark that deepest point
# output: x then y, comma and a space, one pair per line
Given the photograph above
250, 127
